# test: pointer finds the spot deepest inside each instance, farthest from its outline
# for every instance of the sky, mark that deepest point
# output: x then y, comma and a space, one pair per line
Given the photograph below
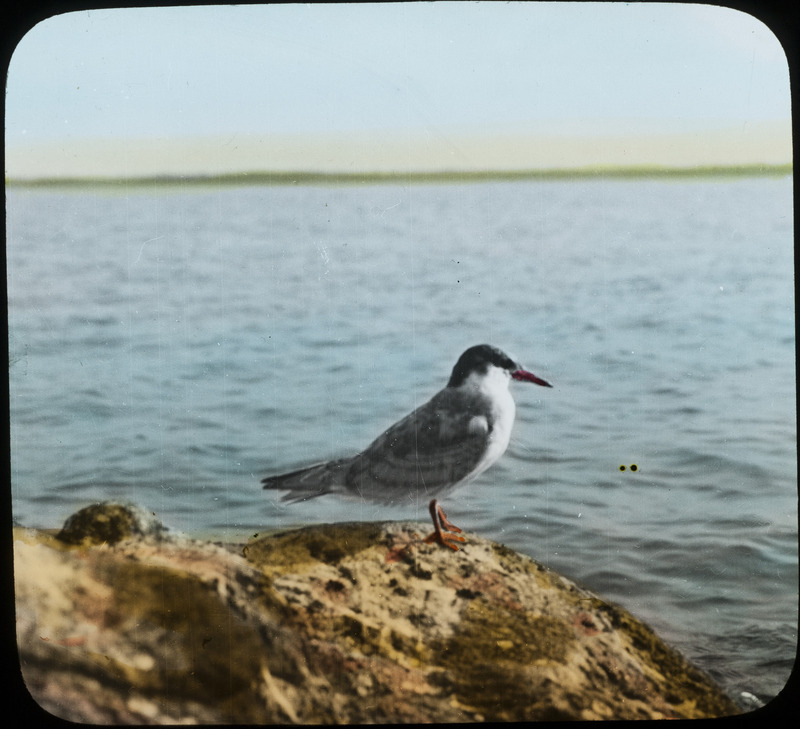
311, 85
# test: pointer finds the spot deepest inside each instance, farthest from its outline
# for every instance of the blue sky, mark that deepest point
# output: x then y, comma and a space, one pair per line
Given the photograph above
427, 68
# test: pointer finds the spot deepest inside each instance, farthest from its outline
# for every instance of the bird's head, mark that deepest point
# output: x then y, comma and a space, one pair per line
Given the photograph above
480, 359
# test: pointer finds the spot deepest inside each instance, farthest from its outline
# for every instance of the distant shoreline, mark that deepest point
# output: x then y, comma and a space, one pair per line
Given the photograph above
258, 178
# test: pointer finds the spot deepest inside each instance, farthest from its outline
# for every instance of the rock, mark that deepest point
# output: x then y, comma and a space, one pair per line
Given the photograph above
342, 623
108, 523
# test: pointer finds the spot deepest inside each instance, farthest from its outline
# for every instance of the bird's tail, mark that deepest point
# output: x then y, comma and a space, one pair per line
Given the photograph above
309, 482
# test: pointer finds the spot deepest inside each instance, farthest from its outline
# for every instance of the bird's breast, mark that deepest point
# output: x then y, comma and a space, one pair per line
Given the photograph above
501, 411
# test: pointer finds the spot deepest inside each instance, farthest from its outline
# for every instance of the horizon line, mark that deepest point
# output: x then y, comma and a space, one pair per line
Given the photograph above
305, 177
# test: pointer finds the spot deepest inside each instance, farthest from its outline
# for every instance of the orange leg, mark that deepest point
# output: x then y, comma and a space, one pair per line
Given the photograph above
440, 523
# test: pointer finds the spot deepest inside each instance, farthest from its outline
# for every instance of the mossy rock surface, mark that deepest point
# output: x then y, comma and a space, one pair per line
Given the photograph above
338, 623
108, 523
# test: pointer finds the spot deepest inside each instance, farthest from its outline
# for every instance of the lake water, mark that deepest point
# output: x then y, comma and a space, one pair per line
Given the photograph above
171, 346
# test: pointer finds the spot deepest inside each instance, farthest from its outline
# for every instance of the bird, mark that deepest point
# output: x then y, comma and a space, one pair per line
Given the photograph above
445, 443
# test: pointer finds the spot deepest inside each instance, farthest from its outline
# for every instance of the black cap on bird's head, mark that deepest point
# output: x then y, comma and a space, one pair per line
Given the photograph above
481, 357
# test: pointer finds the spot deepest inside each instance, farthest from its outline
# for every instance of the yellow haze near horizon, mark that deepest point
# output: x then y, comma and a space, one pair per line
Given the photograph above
767, 143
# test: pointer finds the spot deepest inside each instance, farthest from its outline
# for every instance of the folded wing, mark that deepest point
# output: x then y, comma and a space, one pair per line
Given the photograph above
437, 446
311, 481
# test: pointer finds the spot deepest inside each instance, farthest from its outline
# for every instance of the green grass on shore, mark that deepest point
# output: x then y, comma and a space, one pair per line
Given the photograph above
371, 178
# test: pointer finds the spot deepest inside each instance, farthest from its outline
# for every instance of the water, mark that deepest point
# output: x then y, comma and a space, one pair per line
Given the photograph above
172, 346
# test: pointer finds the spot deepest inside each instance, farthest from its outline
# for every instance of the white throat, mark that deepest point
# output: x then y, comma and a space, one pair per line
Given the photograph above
493, 383
494, 387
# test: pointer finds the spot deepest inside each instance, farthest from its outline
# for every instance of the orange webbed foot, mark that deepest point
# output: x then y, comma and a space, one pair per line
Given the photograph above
442, 526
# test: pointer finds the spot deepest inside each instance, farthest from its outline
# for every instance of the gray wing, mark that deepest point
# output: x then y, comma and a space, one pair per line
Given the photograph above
433, 448
311, 481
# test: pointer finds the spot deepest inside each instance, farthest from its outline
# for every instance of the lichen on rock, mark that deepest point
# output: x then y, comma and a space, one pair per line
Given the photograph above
121, 622
108, 523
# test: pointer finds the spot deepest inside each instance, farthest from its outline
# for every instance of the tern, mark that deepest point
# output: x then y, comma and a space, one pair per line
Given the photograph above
443, 444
